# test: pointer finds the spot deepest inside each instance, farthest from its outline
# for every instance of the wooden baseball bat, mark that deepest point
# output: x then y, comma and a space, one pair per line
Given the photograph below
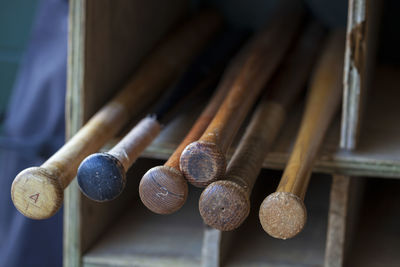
225, 204
203, 161
37, 192
283, 214
102, 176
163, 189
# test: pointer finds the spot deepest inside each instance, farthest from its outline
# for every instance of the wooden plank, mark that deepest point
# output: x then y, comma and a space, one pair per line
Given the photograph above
74, 120
362, 27
118, 35
344, 206
210, 252
338, 203
142, 238
107, 40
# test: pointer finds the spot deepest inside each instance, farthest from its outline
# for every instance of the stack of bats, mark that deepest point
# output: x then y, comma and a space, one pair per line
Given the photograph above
268, 70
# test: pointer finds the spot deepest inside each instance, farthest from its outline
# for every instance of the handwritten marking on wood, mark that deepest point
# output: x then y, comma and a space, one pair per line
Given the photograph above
35, 197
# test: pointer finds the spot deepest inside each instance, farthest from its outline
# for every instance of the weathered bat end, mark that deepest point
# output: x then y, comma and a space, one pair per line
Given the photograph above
202, 163
224, 205
283, 215
163, 190
37, 193
101, 177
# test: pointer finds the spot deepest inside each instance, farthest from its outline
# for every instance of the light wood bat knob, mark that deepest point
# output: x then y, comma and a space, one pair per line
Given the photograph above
202, 163
283, 215
163, 190
101, 177
224, 205
37, 193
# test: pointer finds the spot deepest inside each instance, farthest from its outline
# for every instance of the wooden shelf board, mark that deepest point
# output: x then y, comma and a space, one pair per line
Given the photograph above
378, 153
141, 238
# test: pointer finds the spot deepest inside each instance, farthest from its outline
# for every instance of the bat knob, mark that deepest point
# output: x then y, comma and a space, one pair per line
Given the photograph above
37, 193
224, 205
163, 190
202, 163
101, 177
283, 215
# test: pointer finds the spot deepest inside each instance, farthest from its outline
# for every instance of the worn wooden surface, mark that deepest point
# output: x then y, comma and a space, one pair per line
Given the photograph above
376, 155
338, 211
102, 54
361, 41
203, 161
225, 204
142, 238
211, 256
344, 204
163, 189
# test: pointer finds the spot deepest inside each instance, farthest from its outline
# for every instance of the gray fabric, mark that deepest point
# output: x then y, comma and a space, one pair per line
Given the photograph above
33, 130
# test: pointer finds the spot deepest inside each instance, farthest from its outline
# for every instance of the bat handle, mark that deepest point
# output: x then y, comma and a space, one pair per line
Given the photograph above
133, 144
102, 176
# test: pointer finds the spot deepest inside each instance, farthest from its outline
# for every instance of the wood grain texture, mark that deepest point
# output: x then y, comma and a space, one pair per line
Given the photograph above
338, 205
203, 162
282, 214
140, 238
226, 204
345, 202
361, 42
156, 72
163, 189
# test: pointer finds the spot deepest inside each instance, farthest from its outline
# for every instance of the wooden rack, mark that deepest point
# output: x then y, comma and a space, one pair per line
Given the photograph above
107, 40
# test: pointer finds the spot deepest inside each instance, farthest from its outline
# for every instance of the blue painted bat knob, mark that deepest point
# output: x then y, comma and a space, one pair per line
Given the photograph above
101, 177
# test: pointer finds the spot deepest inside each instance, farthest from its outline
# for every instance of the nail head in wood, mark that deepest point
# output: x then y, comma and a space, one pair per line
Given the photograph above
163, 190
101, 177
283, 215
36, 193
224, 205
202, 163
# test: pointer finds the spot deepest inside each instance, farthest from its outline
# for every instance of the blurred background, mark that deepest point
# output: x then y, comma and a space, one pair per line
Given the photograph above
16, 20
33, 60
